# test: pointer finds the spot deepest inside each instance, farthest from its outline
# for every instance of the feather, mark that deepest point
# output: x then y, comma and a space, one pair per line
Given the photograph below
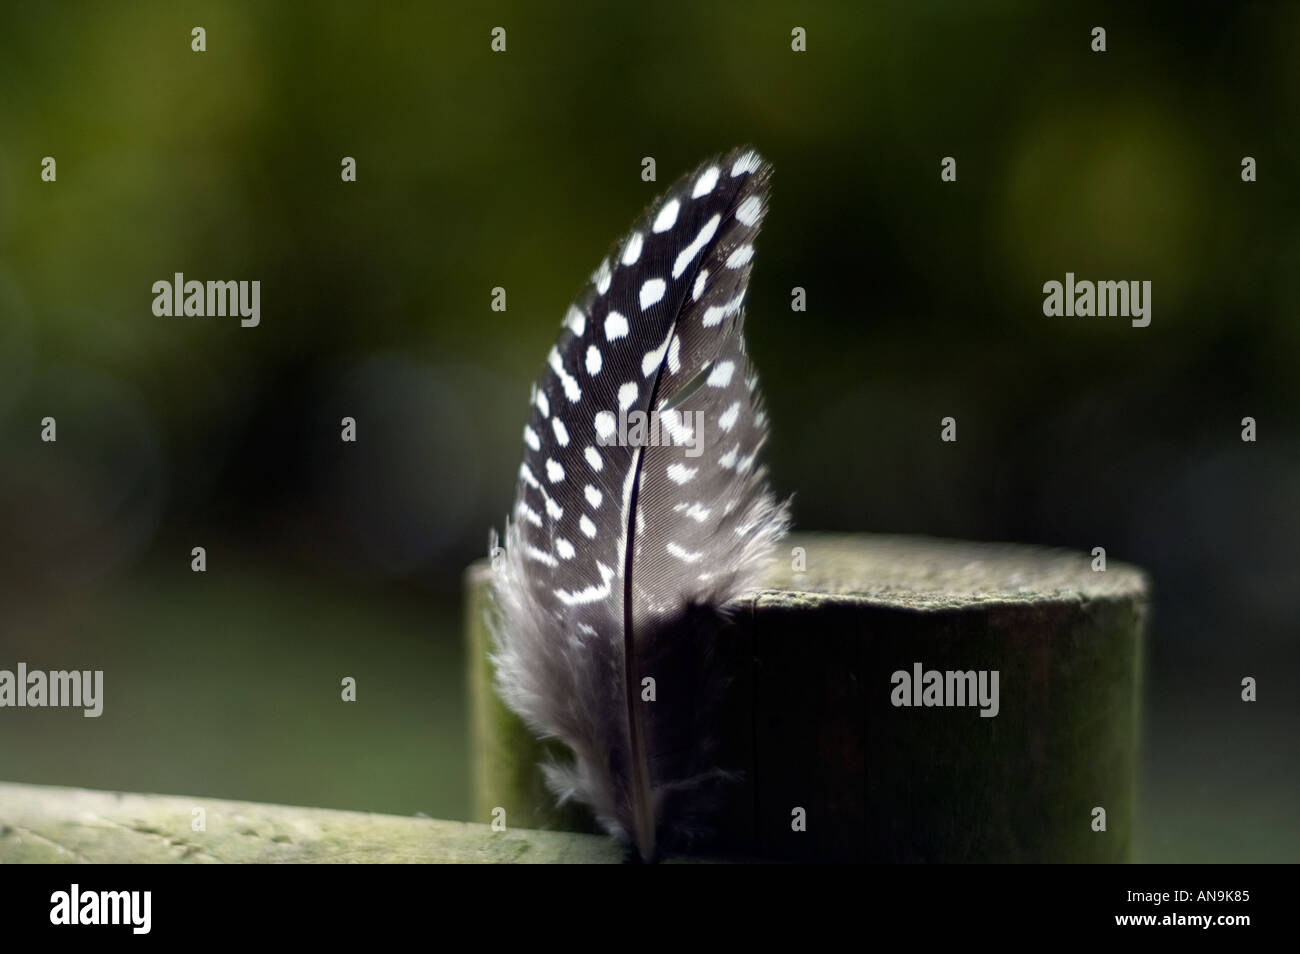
641, 511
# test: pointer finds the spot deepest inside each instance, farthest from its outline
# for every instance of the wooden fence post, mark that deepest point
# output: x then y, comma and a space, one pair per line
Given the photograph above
814, 730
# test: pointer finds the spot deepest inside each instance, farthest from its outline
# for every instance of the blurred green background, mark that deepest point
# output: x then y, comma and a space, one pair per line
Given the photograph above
519, 169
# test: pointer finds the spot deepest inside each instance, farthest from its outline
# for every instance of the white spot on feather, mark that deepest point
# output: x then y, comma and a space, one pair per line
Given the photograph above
705, 183
592, 594
696, 511
561, 432
740, 256
650, 360
720, 376
632, 250
652, 292
587, 527
594, 360
615, 326
627, 395
531, 438
687, 255
680, 473
529, 514
541, 556
605, 425
686, 556
575, 320
715, 314
570, 384
593, 459
698, 290
667, 216
747, 162
554, 472
749, 210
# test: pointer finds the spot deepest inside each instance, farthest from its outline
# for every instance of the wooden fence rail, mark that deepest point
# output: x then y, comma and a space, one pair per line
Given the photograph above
46, 824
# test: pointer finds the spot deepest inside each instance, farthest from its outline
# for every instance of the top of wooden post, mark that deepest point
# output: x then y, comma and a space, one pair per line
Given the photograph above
926, 573
923, 573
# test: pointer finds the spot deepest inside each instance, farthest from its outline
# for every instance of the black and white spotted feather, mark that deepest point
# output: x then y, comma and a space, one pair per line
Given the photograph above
589, 602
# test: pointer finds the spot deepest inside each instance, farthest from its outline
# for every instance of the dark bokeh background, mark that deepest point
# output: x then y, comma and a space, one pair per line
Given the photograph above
478, 169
